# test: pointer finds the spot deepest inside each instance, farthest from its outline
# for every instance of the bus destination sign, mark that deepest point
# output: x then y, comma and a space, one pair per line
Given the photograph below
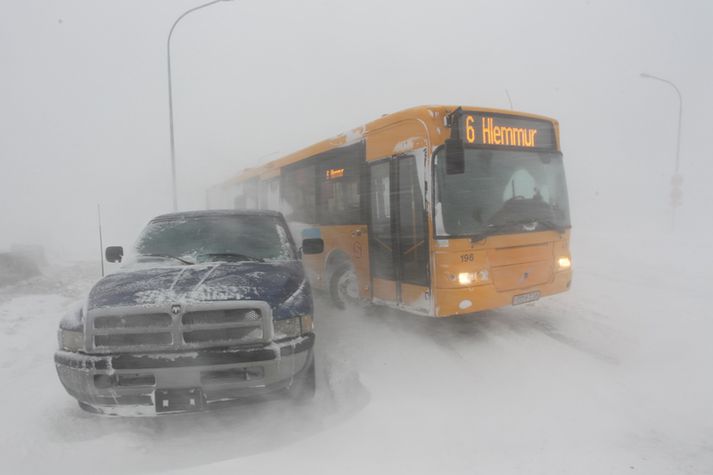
507, 131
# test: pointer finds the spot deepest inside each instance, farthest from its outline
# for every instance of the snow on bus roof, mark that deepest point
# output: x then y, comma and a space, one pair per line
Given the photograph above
427, 112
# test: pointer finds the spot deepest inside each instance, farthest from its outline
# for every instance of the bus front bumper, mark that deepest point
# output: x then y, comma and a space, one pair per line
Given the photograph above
467, 300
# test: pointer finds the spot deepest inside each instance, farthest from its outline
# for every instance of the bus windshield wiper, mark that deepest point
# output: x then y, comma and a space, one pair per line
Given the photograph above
549, 224
238, 256
526, 225
168, 256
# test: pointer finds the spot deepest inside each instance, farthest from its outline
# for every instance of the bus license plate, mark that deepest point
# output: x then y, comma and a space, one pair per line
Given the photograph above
525, 298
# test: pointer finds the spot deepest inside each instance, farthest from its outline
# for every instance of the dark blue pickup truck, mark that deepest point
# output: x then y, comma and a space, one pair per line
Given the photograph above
209, 306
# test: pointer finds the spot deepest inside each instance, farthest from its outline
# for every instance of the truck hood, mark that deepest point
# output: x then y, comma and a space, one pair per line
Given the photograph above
271, 282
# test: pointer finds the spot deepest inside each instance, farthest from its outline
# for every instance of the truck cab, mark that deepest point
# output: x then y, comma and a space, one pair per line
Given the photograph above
208, 306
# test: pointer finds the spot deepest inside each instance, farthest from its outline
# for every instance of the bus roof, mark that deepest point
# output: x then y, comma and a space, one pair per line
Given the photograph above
432, 115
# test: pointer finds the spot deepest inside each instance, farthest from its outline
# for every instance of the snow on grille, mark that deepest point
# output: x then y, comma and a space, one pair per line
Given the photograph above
178, 327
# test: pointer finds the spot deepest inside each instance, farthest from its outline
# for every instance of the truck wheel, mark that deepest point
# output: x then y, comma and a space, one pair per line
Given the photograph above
344, 287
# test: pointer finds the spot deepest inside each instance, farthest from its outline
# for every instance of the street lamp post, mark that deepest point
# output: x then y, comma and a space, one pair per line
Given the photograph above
677, 179
170, 95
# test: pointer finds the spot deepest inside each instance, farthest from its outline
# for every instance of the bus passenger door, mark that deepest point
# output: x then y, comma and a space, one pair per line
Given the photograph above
381, 236
412, 235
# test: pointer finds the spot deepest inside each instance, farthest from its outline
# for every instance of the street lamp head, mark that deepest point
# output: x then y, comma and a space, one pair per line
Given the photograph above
645, 75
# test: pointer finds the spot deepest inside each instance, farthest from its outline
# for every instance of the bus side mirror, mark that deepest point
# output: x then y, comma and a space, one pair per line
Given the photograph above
455, 157
114, 253
312, 246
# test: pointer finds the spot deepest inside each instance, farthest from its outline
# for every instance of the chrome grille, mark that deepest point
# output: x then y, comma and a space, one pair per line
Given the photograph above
223, 334
133, 339
178, 327
134, 321
212, 317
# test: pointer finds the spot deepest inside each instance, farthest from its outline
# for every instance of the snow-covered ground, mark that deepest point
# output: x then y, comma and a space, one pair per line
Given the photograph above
614, 377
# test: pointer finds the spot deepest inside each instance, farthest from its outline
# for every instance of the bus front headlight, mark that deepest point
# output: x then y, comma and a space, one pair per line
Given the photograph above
564, 263
468, 278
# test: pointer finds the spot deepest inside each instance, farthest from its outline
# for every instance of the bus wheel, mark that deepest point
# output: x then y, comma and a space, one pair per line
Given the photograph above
344, 287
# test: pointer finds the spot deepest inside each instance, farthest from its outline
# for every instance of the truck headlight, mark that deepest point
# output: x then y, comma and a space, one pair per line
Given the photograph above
293, 327
564, 263
287, 328
71, 340
307, 323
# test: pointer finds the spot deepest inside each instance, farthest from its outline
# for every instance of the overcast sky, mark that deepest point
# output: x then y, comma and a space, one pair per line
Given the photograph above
84, 104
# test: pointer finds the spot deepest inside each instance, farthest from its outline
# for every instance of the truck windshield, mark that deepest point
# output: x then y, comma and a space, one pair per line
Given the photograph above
501, 192
215, 238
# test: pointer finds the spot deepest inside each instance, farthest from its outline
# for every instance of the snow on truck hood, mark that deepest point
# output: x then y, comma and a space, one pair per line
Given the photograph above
272, 282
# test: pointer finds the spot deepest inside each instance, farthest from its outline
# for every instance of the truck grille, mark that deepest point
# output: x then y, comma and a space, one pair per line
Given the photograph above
178, 327
131, 339
222, 334
134, 321
221, 316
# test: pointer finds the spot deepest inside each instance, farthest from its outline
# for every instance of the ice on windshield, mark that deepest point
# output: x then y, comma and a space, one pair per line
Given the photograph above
212, 238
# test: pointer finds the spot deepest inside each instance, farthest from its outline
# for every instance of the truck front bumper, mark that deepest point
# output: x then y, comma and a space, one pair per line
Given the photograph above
131, 383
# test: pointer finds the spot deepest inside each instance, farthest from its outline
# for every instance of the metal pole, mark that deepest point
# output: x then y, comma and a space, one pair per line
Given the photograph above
170, 96
101, 241
676, 176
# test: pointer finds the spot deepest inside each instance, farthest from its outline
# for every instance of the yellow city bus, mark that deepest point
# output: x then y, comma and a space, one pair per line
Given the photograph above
435, 210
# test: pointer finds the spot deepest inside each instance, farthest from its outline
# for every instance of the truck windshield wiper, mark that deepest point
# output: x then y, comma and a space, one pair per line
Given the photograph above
238, 256
168, 256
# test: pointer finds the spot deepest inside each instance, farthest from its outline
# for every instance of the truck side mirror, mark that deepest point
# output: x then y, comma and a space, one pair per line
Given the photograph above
312, 246
455, 157
114, 253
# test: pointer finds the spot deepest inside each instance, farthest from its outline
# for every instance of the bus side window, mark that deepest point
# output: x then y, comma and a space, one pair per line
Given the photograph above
263, 190
299, 195
339, 179
269, 194
251, 194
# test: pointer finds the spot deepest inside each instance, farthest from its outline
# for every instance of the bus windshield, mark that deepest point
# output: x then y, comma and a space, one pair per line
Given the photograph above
501, 192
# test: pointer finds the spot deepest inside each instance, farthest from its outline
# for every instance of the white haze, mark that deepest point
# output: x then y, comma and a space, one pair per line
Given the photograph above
611, 377
84, 114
